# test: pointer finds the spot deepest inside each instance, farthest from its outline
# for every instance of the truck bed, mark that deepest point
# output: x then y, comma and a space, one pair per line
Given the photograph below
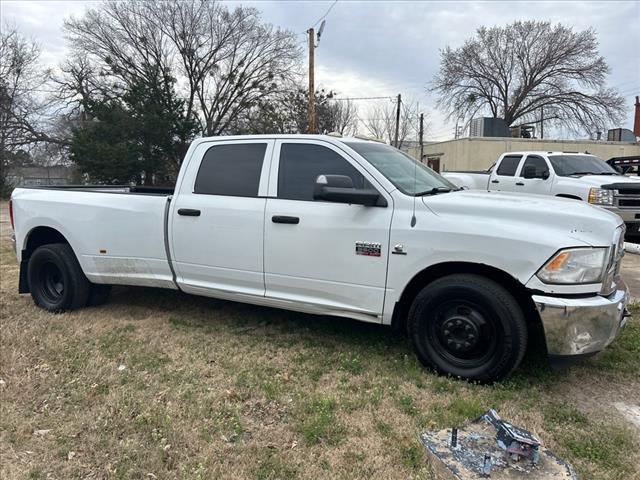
116, 232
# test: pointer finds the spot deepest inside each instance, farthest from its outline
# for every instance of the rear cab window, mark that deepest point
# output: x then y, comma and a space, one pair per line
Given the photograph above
509, 165
232, 169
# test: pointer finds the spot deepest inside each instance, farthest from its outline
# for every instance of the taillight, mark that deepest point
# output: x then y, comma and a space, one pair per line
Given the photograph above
11, 214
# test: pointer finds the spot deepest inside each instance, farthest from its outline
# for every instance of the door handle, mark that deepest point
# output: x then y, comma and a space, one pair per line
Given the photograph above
495, 181
189, 212
520, 184
285, 219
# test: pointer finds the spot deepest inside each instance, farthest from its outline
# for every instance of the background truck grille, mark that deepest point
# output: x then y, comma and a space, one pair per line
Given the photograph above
627, 197
631, 202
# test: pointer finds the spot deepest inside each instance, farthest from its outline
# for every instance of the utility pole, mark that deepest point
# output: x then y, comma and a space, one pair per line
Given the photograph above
541, 122
397, 120
421, 136
312, 87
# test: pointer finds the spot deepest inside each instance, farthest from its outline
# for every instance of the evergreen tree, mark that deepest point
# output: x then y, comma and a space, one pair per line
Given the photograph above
139, 138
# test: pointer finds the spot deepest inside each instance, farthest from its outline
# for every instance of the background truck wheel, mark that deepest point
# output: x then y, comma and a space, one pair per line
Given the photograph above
98, 294
56, 280
468, 326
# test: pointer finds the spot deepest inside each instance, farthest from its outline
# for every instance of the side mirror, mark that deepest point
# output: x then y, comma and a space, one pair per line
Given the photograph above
339, 188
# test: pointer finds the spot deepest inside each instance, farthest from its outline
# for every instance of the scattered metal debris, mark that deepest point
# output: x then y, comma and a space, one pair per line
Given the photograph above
515, 441
490, 447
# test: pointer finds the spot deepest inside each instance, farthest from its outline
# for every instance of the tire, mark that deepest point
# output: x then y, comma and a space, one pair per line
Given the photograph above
56, 280
98, 294
468, 326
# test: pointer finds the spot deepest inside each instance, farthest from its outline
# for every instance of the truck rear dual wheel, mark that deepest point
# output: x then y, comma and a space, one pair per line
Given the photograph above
57, 282
468, 326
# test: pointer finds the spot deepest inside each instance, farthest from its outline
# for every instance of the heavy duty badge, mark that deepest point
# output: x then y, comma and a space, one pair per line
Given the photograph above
369, 249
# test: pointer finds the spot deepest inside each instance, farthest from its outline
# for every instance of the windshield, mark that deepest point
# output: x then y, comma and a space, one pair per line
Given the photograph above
566, 165
409, 176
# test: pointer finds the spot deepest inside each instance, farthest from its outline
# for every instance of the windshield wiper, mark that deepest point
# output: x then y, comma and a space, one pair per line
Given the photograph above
434, 191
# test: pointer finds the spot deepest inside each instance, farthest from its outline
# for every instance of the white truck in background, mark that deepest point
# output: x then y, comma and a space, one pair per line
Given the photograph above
341, 227
578, 176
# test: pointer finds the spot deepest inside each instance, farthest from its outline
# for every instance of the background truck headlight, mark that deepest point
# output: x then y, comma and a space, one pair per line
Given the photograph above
575, 266
600, 196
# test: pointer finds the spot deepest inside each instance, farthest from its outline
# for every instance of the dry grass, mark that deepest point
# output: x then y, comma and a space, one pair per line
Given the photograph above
215, 389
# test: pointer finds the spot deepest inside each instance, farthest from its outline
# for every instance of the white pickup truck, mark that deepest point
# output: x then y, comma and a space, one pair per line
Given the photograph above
343, 227
579, 176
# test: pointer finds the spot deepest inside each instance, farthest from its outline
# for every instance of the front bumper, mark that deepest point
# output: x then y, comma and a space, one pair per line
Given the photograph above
627, 215
582, 326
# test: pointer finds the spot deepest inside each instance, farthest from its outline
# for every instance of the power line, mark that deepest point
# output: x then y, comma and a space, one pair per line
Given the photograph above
363, 98
325, 15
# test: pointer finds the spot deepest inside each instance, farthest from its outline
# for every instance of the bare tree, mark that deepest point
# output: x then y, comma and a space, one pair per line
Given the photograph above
514, 72
346, 117
381, 122
25, 109
225, 61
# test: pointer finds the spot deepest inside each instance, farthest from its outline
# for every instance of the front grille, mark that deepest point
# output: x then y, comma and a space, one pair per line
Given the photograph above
628, 197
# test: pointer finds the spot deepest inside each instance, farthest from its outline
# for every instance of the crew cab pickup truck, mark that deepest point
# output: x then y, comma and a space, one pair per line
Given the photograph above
341, 227
569, 175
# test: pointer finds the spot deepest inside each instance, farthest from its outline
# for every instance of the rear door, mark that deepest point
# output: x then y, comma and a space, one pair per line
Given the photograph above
503, 176
217, 220
331, 255
539, 185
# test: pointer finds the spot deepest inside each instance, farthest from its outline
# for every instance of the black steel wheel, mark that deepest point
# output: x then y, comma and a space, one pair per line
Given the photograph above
56, 280
468, 326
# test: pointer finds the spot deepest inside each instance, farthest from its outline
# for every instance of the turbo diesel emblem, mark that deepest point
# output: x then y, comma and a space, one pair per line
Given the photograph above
369, 249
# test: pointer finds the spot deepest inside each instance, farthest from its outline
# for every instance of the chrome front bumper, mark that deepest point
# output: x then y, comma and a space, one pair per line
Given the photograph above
627, 215
582, 326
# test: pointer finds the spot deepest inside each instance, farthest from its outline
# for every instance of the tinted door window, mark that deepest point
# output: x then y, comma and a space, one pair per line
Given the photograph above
300, 165
232, 170
539, 164
508, 166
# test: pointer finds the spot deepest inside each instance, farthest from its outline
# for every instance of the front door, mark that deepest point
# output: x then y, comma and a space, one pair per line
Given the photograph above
331, 255
217, 221
538, 185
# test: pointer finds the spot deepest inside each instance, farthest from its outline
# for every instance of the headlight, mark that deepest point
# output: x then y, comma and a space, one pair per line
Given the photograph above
600, 196
574, 266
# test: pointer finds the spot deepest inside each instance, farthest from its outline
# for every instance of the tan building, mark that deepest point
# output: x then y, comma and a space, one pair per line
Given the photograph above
479, 153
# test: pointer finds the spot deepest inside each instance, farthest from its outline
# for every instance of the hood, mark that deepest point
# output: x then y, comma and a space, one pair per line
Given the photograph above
598, 180
551, 219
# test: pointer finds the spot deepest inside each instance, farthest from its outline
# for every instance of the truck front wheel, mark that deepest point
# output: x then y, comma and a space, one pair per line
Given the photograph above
56, 281
468, 326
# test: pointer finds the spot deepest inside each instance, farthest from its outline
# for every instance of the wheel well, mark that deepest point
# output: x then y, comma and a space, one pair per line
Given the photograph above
41, 236
566, 195
434, 272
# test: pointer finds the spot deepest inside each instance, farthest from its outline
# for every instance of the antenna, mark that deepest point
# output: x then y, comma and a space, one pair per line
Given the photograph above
415, 171
415, 182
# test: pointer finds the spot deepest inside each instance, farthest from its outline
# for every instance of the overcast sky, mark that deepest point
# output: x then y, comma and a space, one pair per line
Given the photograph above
384, 48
